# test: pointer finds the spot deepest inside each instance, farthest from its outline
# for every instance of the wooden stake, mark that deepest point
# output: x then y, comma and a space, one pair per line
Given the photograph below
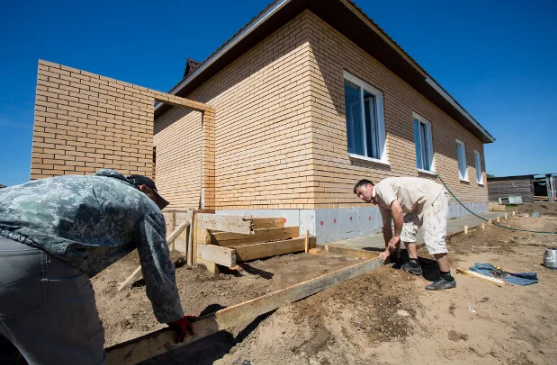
189, 252
465, 229
483, 226
163, 341
136, 274
506, 216
307, 241
514, 213
498, 219
483, 277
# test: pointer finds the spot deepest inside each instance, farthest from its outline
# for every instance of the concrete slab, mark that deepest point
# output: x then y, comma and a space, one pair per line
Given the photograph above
375, 241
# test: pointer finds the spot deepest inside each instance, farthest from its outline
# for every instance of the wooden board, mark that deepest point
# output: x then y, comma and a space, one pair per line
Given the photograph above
162, 341
254, 251
268, 222
351, 252
483, 277
226, 223
136, 274
260, 235
219, 255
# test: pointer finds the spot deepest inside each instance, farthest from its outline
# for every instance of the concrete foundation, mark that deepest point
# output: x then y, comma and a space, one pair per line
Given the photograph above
329, 225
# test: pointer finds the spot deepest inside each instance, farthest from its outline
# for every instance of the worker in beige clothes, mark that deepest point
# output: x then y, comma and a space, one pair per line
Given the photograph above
412, 202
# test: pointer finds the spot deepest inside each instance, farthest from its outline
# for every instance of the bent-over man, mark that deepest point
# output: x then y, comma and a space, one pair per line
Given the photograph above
412, 202
58, 232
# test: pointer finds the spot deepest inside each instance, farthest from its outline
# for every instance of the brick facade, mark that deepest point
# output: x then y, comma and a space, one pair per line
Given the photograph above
280, 128
85, 122
334, 171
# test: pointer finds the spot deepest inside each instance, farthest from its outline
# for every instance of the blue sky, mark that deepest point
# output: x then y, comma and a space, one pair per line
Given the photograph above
496, 57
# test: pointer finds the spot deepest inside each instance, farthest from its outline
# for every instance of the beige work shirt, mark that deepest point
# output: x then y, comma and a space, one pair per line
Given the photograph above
413, 194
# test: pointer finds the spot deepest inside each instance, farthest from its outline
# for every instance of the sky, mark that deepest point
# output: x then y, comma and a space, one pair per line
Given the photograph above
497, 58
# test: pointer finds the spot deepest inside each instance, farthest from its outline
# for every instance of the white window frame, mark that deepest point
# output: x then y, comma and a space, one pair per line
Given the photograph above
465, 177
478, 162
380, 119
419, 118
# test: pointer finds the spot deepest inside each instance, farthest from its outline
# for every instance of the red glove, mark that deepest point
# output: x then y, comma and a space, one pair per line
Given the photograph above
183, 326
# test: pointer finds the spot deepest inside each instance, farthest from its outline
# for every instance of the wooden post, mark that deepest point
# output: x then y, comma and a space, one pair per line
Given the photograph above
194, 239
465, 229
307, 241
514, 213
483, 225
498, 219
489, 222
506, 216
189, 251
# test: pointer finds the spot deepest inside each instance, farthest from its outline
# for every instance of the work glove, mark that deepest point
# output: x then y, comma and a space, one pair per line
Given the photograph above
183, 326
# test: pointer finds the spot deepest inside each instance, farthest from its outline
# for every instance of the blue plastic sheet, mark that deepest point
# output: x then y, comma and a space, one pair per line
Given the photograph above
516, 278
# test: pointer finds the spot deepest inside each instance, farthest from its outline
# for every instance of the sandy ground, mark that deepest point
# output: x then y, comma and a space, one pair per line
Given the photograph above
385, 317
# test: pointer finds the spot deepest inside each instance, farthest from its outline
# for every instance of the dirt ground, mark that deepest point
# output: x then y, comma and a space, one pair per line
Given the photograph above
384, 317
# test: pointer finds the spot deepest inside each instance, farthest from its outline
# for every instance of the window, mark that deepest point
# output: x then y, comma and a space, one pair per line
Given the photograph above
461, 155
364, 120
424, 144
479, 172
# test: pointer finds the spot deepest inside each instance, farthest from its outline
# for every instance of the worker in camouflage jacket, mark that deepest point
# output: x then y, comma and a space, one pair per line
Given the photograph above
55, 234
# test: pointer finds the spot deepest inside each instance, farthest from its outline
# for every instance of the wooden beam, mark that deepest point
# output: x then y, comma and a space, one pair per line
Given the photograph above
351, 252
219, 255
268, 222
189, 251
226, 223
254, 251
483, 277
136, 274
260, 235
306, 242
163, 341
210, 266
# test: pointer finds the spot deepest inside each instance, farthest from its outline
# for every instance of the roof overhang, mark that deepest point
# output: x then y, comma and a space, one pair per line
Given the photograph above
344, 16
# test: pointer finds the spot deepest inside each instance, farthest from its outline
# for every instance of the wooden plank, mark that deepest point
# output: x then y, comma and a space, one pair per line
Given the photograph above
162, 341
226, 223
189, 252
136, 274
194, 240
219, 255
306, 242
210, 266
483, 277
260, 235
267, 249
268, 222
351, 252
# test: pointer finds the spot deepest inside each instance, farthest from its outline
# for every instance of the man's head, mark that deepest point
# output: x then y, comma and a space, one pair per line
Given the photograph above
364, 190
148, 187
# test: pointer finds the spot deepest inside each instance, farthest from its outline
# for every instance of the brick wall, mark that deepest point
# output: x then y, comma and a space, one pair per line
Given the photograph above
280, 129
85, 122
334, 172
261, 129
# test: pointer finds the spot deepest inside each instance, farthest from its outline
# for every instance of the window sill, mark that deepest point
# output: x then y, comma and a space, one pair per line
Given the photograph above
369, 159
481, 184
427, 172
465, 181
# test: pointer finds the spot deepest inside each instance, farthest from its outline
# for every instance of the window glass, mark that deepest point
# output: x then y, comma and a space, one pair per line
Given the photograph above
353, 118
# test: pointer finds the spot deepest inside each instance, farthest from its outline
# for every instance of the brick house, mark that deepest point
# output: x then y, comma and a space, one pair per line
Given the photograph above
282, 120
289, 90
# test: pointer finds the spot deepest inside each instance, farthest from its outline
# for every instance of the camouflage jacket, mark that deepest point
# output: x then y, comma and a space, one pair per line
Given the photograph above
91, 222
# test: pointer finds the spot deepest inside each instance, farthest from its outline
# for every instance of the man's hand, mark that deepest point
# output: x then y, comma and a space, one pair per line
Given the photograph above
183, 326
383, 256
391, 246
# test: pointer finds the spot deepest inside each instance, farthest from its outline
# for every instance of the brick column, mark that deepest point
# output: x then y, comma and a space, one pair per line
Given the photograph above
208, 161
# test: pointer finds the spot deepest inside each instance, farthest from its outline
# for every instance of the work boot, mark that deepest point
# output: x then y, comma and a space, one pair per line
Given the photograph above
413, 267
442, 284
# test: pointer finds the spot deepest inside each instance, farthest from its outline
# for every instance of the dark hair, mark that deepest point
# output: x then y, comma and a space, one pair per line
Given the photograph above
361, 183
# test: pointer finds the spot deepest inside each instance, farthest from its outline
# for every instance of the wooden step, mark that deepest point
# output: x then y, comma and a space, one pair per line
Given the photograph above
268, 222
260, 235
254, 251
